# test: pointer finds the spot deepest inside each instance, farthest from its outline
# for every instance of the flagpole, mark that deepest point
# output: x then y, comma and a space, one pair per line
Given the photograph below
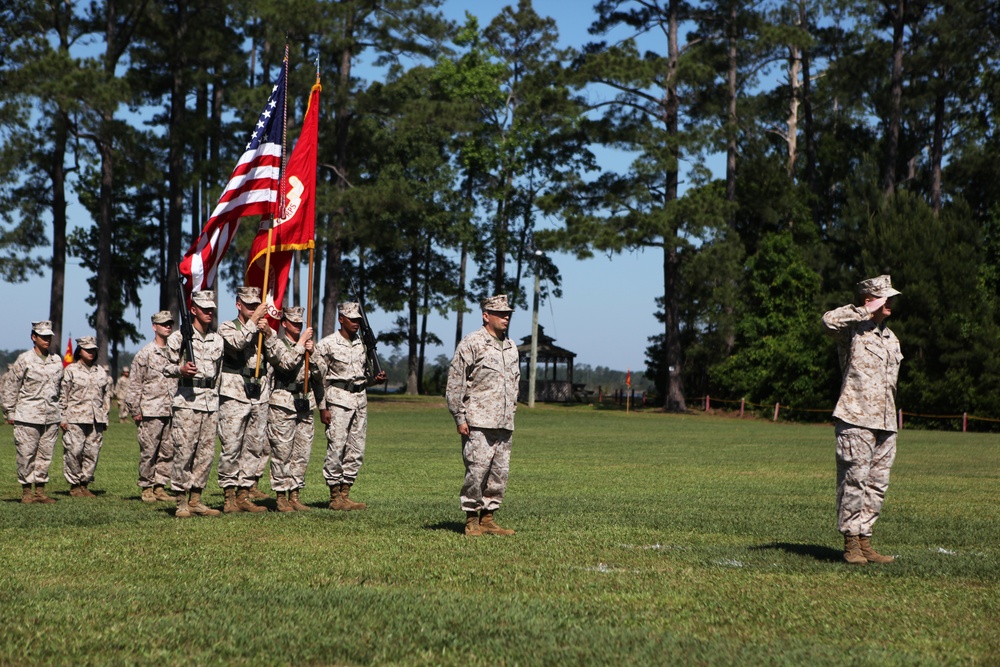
309, 279
279, 205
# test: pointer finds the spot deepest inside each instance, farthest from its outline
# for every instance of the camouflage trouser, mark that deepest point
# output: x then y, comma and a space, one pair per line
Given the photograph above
123, 415
486, 454
345, 444
81, 448
241, 430
864, 458
193, 433
35, 444
156, 452
291, 438
265, 452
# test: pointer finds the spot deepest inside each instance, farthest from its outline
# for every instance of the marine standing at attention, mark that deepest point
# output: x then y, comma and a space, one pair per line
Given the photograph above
195, 418
31, 404
148, 400
120, 390
345, 405
482, 397
865, 415
84, 403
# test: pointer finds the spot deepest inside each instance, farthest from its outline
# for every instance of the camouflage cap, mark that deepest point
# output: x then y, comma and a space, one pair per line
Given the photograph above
350, 309
42, 328
204, 298
248, 295
87, 342
162, 317
880, 287
497, 304
125, 370
293, 314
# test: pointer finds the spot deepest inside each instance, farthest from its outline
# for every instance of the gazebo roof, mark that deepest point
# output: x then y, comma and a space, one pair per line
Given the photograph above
547, 350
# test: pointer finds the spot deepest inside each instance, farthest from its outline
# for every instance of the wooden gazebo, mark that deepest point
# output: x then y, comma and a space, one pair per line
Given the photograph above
550, 360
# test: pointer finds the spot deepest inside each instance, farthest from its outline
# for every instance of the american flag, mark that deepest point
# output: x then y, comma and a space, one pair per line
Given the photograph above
252, 190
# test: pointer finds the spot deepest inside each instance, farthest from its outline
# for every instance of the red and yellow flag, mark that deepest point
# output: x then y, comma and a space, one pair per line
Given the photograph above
68, 357
297, 228
628, 378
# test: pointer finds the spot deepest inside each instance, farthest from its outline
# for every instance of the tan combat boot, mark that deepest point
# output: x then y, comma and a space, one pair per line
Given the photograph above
283, 504
244, 503
75, 491
162, 495
40, 496
337, 501
472, 528
85, 492
345, 493
491, 527
297, 505
852, 551
870, 555
27, 495
198, 508
257, 494
148, 496
229, 505
183, 509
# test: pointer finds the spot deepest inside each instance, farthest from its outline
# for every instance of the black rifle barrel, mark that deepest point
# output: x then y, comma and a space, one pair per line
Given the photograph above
187, 330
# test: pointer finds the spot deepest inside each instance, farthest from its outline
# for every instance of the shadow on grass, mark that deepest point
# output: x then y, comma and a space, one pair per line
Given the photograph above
453, 526
820, 553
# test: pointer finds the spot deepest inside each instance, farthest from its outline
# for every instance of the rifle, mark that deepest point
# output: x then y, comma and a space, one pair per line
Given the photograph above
373, 367
187, 330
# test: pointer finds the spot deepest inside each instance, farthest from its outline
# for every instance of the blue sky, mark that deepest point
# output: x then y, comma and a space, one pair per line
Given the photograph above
605, 315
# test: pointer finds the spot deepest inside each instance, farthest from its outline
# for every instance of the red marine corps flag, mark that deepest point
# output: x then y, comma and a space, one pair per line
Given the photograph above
295, 230
68, 357
252, 190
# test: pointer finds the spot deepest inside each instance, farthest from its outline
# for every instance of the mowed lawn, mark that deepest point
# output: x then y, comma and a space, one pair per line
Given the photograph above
642, 538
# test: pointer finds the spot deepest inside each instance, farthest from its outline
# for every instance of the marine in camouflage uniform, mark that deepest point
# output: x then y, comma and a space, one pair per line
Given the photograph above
84, 402
865, 414
243, 398
482, 397
195, 419
120, 390
31, 403
344, 408
148, 401
290, 428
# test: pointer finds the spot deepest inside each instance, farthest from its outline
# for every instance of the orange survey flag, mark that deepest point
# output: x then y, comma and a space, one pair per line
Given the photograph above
68, 357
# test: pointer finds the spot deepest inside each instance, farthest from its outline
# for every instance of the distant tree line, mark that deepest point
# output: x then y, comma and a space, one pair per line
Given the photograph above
859, 137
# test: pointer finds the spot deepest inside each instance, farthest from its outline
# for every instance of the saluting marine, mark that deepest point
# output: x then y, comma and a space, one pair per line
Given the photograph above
865, 414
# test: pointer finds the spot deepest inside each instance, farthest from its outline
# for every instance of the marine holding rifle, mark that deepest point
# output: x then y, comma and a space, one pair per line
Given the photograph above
194, 354
344, 409
243, 397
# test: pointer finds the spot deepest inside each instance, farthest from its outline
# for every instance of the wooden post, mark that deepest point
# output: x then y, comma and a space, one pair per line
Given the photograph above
900, 420
777, 407
708, 402
965, 422
743, 403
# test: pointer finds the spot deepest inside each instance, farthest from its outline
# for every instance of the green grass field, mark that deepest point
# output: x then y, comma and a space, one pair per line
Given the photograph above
641, 539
